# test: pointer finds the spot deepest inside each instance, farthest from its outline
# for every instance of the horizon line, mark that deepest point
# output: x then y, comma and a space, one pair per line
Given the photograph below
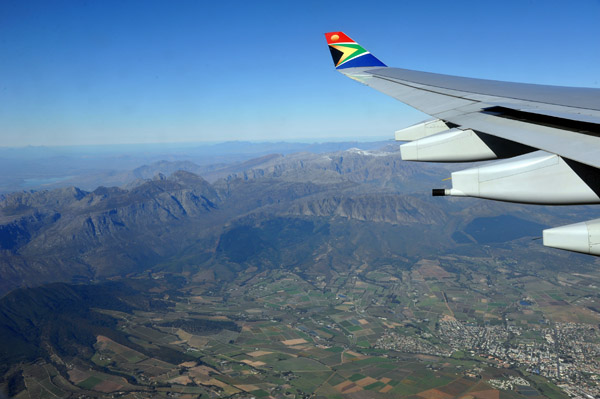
321, 140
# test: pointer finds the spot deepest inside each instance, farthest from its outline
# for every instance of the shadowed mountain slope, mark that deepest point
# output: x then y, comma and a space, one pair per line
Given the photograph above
73, 235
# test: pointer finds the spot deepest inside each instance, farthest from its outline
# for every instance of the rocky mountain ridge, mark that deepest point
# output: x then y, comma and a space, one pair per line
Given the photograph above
69, 234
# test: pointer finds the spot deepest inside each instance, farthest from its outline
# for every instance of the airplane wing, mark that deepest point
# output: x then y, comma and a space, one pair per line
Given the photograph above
547, 137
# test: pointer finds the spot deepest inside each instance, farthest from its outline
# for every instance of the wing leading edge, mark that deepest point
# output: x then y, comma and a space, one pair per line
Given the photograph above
547, 138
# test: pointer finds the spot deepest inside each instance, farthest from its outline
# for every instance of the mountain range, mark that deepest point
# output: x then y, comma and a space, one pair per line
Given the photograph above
307, 210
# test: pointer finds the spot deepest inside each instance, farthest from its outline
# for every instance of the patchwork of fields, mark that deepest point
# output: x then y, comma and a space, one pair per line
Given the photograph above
365, 334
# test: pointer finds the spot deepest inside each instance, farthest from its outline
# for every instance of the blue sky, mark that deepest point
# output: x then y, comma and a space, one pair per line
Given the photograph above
112, 72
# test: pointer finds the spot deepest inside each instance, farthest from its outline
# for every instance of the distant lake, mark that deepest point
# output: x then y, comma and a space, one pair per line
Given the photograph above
29, 183
525, 303
502, 228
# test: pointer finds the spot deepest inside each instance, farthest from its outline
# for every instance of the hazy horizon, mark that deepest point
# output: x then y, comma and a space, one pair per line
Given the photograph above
299, 140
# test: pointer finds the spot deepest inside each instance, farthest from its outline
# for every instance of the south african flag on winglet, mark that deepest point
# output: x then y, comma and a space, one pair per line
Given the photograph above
346, 53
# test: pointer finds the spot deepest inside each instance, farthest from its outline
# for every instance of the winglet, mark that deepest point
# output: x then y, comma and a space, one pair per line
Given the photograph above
346, 53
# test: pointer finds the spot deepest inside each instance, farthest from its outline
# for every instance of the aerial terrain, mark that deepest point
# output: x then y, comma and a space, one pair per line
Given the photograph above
314, 271
189, 209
